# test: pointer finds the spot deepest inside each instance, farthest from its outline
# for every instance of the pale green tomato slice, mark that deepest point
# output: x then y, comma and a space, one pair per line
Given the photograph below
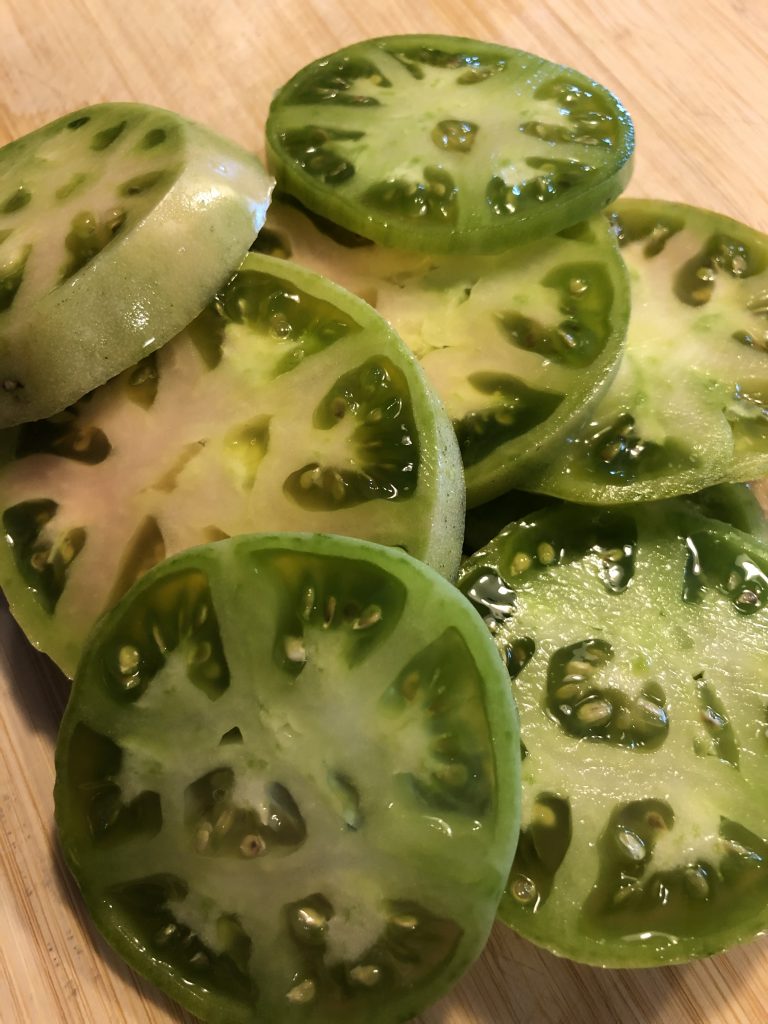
516, 344
288, 781
636, 642
689, 405
117, 224
739, 505
445, 144
287, 405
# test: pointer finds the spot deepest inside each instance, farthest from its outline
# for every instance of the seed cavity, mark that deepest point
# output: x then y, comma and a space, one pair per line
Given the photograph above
717, 737
88, 235
513, 409
17, 200
432, 197
154, 137
587, 708
11, 277
107, 136
234, 735
491, 596
142, 183
542, 847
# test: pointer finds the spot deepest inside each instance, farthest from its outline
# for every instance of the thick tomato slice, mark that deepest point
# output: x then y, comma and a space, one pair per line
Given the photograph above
117, 224
287, 405
287, 780
447, 144
636, 640
688, 407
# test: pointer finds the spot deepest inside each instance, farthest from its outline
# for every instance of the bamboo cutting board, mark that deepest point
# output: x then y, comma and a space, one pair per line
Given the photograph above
693, 73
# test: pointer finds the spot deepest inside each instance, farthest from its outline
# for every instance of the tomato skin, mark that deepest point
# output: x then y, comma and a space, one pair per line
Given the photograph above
456, 192
360, 699
635, 641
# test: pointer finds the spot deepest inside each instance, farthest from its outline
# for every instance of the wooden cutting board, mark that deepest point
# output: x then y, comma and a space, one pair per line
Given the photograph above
694, 74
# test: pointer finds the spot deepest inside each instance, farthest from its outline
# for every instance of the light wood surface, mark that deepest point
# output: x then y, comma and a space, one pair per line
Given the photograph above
694, 74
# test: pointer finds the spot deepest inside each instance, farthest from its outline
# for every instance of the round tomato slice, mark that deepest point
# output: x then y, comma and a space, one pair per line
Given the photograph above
689, 405
287, 780
440, 143
287, 405
738, 505
635, 639
516, 345
117, 224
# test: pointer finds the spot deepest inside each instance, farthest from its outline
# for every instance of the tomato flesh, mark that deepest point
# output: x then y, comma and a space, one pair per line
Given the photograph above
635, 639
516, 345
439, 143
688, 406
288, 404
328, 833
117, 224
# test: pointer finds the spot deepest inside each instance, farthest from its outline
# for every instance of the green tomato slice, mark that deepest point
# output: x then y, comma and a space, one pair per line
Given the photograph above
635, 639
117, 224
287, 405
516, 344
287, 780
689, 405
736, 504
440, 143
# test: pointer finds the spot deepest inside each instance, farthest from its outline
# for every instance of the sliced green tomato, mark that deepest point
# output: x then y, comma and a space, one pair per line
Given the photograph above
636, 640
441, 144
287, 405
737, 505
689, 405
287, 781
117, 224
516, 344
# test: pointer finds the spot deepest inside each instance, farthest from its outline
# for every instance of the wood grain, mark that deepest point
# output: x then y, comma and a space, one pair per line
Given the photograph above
693, 74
